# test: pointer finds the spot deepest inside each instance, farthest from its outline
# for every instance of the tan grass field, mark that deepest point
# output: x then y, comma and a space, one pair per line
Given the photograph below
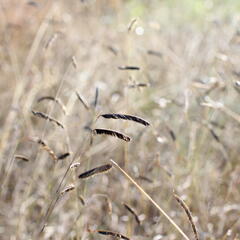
172, 64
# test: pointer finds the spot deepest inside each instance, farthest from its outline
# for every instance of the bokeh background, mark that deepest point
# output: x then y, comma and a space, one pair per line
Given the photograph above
187, 88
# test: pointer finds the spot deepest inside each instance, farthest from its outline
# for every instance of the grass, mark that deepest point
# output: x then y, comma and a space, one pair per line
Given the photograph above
82, 82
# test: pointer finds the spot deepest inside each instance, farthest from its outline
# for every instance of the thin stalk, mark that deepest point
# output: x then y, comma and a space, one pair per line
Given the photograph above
151, 200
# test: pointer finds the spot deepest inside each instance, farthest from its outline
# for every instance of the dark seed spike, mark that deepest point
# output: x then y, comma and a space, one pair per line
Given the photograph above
131, 24
46, 98
128, 68
113, 50
215, 136
46, 117
45, 147
133, 213
63, 156
41, 142
40, 114
68, 189
94, 171
87, 173
96, 97
138, 85
155, 53
142, 84
216, 124
119, 135
172, 134
32, 3
23, 158
126, 117
145, 179
81, 200
189, 215
114, 234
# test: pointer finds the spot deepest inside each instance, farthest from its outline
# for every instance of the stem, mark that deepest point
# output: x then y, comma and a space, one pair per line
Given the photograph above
151, 200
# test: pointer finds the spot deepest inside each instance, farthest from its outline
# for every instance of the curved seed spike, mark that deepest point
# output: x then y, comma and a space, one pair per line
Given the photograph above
114, 234
126, 117
97, 170
119, 135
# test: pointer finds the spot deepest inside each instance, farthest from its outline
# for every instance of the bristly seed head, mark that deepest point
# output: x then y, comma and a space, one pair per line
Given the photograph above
125, 117
63, 156
68, 189
75, 165
94, 171
100, 131
23, 158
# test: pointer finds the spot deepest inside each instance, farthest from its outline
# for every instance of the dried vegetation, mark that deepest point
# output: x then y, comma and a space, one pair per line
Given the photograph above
84, 82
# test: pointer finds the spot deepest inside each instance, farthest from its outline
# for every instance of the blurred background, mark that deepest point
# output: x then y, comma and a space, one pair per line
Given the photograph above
67, 59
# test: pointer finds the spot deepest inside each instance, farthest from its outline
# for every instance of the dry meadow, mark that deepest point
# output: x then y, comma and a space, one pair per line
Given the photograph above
120, 119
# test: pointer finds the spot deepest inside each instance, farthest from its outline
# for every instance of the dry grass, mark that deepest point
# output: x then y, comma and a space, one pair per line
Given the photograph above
173, 65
